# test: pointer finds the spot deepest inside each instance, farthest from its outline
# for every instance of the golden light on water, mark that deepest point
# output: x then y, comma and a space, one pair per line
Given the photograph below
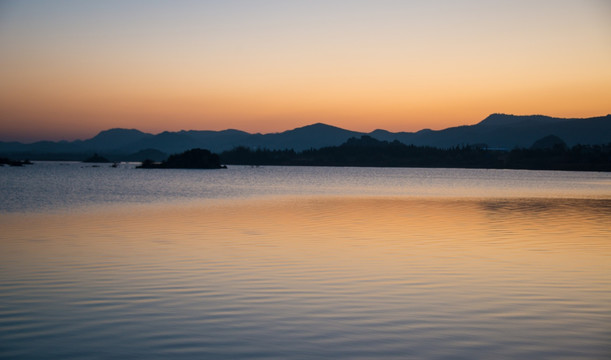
330, 275
377, 238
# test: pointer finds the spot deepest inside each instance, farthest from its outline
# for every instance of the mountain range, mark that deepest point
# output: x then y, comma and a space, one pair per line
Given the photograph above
497, 131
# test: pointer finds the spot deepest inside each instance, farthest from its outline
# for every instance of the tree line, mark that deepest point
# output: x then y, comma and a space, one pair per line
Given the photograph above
370, 152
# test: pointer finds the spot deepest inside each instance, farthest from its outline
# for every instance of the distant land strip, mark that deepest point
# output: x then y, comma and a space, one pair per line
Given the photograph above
549, 153
497, 131
499, 141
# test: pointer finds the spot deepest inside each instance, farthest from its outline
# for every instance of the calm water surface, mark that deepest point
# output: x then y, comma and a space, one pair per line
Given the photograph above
294, 263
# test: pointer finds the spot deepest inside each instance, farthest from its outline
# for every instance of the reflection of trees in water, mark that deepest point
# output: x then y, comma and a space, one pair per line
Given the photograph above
599, 208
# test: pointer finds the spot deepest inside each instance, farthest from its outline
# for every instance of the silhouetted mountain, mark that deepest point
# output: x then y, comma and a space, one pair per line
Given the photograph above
506, 119
167, 142
549, 142
510, 131
497, 131
218, 140
114, 139
312, 136
55, 147
386, 135
151, 154
174, 142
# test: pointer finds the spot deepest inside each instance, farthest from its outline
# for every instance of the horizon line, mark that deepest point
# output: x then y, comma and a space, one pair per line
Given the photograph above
298, 127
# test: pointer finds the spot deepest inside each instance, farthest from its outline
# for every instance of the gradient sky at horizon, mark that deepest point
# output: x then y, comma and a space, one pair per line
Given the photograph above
69, 69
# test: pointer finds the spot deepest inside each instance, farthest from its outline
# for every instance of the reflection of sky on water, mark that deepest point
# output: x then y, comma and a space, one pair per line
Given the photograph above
53, 186
317, 276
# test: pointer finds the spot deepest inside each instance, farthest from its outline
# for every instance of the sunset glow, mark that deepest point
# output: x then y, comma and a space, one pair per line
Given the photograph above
70, 68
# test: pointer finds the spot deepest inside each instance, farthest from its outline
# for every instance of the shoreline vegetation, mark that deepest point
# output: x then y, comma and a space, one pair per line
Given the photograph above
549, 153
10, 162
190, 159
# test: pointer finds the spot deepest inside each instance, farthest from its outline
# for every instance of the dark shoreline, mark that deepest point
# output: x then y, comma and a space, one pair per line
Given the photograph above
368, 152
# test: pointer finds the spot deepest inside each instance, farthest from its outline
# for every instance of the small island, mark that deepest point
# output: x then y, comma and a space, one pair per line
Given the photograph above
190, 159
96, 158
9, 162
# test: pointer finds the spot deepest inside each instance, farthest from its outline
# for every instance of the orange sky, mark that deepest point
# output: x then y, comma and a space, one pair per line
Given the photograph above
70, 69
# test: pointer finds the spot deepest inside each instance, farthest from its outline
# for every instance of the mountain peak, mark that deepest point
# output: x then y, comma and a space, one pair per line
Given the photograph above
549, 142
118, 134
317, 126
115, 137
497, 130
499, 119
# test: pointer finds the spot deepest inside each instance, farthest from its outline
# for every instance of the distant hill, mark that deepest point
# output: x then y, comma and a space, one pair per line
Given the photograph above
146, 154
549, 142
112, 139
498, 131
312, 136
509, 131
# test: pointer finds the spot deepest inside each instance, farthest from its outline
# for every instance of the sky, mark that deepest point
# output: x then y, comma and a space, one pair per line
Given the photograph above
69, 69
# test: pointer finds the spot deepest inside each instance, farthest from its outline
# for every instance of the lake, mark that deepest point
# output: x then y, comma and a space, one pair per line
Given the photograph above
303, 262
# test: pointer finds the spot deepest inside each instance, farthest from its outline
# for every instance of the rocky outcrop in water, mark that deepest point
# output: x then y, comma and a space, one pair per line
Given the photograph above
95, 158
